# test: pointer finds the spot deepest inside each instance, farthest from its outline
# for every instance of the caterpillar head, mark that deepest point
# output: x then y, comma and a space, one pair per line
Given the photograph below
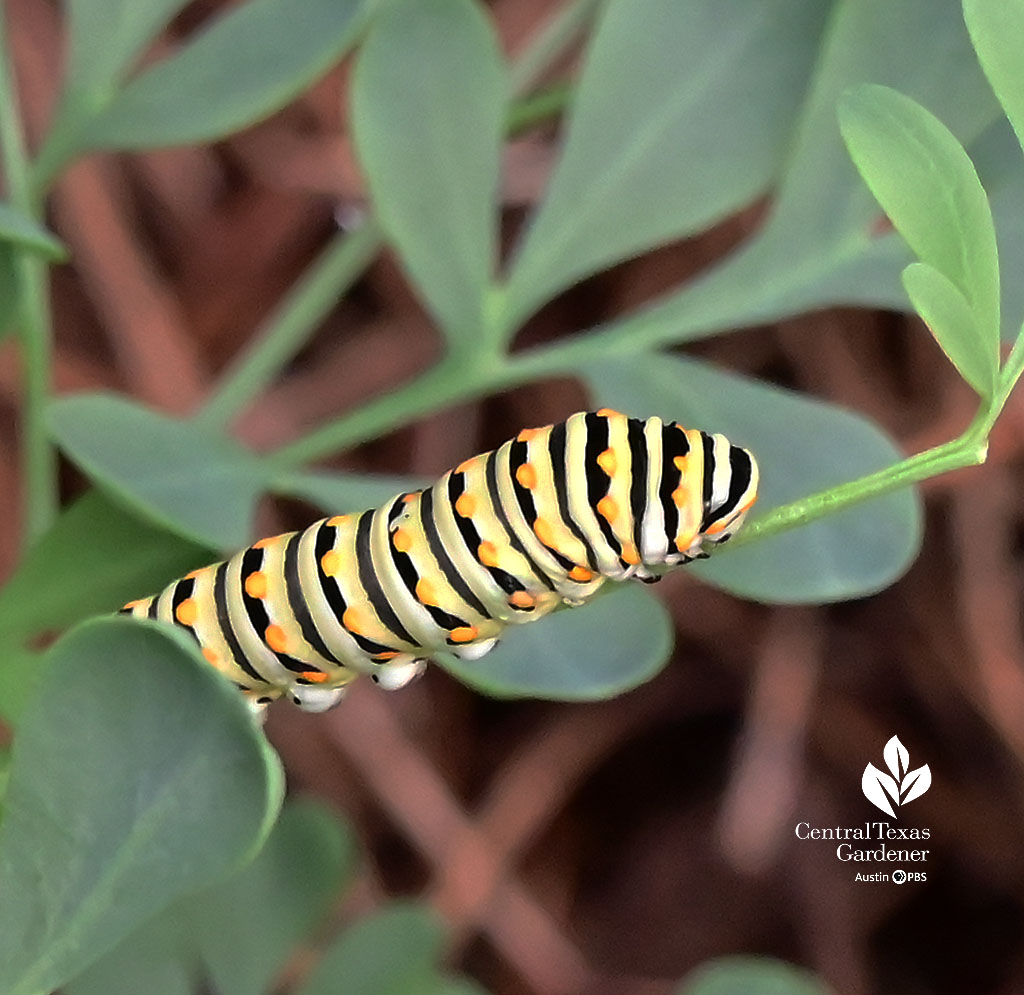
713, 484
730, 489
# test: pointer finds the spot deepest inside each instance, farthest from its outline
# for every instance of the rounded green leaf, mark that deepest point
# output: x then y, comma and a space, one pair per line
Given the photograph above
428, 107
802, 446
174, 472
152, 959
672, 128
285, 892
997, 33
601, 649
948, 315
94, 558
927, 185
138, 775
395, 952
251, 61
743, 975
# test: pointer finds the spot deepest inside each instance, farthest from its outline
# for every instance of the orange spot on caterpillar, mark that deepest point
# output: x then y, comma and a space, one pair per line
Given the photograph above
411, 496
683, 543
350, 619
194, 574
425, 592
131, 606
466, 505
713, 530
522, 599
387, 655
542, 529
256, 584
338, 520
187, 612
466, 465
464, 634
679, 496
402, 540
275, 638
330, 562
487, 553
269, 541
607, 462
529, 434
582, 574
609, 413
210, 656
316, 676
630, 554
527, 476
608, 508
680, 462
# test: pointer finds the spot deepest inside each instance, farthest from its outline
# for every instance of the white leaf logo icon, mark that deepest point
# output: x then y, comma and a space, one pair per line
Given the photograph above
889, 792
874, 786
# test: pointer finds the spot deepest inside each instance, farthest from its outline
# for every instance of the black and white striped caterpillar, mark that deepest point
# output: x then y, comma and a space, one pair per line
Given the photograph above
504, 538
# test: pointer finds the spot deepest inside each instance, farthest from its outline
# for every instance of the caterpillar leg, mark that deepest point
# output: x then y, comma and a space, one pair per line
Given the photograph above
312, 698
397, 673
473, 651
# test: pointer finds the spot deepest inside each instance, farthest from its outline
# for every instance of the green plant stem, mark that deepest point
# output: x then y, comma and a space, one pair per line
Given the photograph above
39, 464
550, 42
338, 266
968, 450
528, 112
449, 382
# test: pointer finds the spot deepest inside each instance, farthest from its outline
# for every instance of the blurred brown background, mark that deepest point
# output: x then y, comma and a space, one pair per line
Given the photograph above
610, 847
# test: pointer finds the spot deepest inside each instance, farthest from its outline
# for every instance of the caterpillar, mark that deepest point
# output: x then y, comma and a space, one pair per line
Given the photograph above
504, 538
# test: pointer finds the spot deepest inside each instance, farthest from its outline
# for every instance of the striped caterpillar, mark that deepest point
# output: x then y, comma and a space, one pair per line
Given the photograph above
504, 538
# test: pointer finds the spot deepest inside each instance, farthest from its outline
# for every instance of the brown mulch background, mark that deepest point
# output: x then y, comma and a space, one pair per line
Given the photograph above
609, 847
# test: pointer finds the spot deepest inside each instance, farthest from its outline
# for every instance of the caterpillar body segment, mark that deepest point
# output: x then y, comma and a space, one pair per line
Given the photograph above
503, 539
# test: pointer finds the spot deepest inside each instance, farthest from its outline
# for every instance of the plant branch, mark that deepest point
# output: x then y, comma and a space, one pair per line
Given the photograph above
289, 326
39, 464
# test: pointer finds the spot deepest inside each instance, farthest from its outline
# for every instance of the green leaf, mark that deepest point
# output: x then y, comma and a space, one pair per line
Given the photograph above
173, 472
672, 129
95, 557
251, 61
601, 649
152, 959
286, 891
393, 953
806, 256
339, 493
138, 775
802, 446
18, 229
428, 108
106, 37
21, 671
283, 893
744, 975
997, 33
928, 187
948, 314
